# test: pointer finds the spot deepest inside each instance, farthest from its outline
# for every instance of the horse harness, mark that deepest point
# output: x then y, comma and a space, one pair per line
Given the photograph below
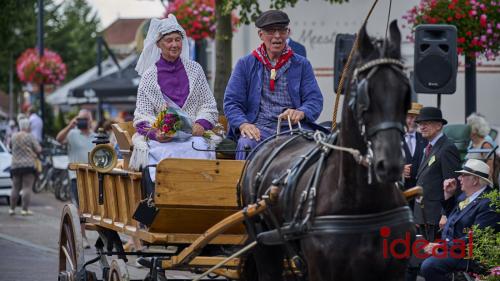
301, 220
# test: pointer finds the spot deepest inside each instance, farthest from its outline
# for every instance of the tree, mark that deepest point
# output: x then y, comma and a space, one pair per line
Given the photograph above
223, 53
17, 32
249, 11
73, 36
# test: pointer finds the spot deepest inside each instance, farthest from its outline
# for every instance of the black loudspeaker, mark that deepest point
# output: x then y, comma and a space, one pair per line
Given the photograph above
436, 60
343, 46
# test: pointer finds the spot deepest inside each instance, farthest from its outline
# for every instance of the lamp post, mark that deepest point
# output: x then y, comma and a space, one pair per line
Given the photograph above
40, 52
470, 85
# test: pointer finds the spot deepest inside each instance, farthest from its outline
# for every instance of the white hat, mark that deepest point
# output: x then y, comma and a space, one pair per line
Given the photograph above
476, 168
157, 28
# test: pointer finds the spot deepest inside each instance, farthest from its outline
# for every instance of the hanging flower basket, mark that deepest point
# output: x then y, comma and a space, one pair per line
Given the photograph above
49, 69
477, 22
197, 17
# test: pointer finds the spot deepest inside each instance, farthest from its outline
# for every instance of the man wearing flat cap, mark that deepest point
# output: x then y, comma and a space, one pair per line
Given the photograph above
464, 211
270, 83
440, 161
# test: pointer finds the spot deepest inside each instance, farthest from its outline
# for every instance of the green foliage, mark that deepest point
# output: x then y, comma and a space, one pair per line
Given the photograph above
494, 197
73, 36
486, 246
17, 33
250, 9
486, 241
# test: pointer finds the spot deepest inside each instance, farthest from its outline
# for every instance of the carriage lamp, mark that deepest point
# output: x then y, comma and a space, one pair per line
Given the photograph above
103, 158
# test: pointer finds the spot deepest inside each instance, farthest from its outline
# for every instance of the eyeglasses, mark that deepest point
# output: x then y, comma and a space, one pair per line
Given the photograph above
272, 31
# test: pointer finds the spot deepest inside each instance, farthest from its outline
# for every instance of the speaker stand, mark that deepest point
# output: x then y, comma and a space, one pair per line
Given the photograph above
439, 100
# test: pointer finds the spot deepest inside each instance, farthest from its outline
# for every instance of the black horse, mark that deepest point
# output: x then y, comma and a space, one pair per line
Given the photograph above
332, 205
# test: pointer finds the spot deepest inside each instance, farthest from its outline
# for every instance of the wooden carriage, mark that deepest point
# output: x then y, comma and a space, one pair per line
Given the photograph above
197, 212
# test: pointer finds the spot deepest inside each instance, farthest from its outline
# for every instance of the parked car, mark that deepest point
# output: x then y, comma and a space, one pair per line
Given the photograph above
5, 180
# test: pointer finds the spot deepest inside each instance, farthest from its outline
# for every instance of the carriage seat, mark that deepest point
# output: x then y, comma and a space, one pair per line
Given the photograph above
459, 134
125, 130
123, 134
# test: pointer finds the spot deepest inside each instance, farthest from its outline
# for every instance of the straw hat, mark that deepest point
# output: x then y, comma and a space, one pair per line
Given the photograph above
415, 108
476, 168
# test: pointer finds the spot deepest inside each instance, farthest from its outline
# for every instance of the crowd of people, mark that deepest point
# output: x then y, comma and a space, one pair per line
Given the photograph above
446, 212
276, 82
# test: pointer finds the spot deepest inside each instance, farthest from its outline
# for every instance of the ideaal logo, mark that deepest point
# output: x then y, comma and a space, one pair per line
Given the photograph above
403, 248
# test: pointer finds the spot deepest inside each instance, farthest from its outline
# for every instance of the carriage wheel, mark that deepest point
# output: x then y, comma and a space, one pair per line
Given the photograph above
118, 271
71, 258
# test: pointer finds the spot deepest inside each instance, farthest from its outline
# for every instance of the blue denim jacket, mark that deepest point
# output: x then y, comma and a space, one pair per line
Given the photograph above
244, 89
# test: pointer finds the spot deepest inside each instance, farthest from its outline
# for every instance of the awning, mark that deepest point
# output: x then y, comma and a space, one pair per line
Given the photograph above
112, 87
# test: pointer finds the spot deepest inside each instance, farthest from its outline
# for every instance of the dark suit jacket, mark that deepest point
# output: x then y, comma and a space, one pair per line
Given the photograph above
297, 48
414, 160
477, 212
441, 164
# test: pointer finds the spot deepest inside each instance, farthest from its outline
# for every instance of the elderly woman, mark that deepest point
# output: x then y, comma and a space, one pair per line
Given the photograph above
479, 138
170, 79
24, 154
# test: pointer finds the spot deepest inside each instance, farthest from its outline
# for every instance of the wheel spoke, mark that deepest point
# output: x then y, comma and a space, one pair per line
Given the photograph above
68, 257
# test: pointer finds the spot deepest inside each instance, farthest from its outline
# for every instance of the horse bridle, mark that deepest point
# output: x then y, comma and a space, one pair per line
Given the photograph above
359, 100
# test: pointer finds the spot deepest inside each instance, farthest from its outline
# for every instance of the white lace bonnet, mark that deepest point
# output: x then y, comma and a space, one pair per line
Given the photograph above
157, 28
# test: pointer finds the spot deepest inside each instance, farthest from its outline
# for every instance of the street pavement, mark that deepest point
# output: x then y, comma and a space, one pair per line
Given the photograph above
29, 244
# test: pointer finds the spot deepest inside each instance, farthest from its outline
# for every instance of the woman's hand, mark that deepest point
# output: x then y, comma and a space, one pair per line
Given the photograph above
161, 137
198, 130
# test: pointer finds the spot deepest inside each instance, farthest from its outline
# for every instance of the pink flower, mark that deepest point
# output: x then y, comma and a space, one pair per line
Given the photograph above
483, 20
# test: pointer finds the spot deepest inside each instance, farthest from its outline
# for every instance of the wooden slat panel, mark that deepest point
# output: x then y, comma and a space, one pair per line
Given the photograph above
188, 220
90, 192
122, 200
134, 194
197, 183
82, 196
110, 197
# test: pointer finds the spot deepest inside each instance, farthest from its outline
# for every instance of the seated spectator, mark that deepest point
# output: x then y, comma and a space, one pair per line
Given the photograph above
269, 84
479, 138
468, 209
170, 79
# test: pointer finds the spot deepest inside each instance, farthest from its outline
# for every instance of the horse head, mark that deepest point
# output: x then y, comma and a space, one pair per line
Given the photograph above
379, 98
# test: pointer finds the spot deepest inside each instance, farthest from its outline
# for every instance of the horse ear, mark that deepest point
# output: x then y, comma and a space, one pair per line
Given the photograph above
365, 46
395, 44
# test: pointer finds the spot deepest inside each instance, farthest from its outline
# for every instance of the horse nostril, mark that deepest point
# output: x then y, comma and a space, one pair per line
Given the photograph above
380, 166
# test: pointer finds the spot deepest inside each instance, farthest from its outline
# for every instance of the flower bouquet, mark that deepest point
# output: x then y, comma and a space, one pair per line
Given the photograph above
174, 124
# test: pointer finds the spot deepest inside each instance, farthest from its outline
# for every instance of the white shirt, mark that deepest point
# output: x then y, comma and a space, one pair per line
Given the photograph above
36, 125
411, 141
476, 194
79, 146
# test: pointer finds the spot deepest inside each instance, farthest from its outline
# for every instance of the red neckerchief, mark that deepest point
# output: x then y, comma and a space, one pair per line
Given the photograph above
260, 54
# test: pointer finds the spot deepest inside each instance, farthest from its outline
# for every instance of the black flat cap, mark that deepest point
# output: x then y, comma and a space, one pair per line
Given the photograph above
272, 17
431, 114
